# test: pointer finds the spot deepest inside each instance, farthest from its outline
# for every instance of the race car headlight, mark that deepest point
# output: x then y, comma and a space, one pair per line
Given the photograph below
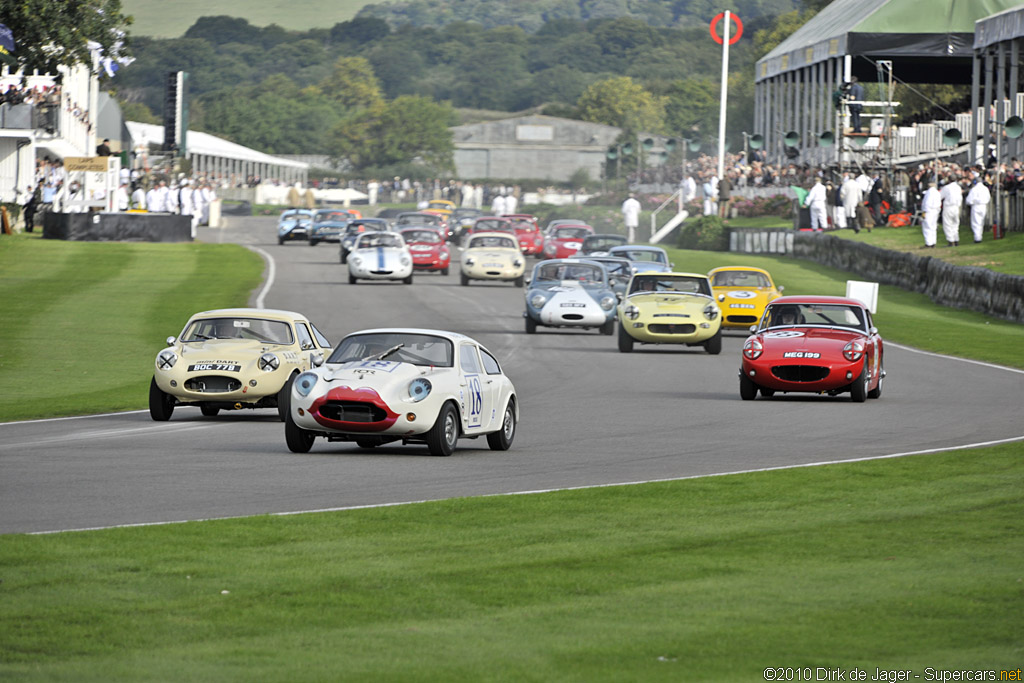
469, 261
404, 260
356, 261
632, 312
711, 311
419, 389
854, 350
517, 263
752, 349
269, 362
166, 359
304, 383
538, 300
607, 302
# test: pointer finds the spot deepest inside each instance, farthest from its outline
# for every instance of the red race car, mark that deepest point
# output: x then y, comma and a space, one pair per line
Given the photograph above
818, 344
428, 248
565, 240
531, 241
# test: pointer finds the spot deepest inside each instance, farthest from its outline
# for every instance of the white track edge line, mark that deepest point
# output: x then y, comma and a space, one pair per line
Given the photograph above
271, 274
347, 508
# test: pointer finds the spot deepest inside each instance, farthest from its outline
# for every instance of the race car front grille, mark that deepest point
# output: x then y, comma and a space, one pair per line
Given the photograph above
686, 328
800, 373
382, 272
213, 384
352, 411
742, 319
572, 316
494, 272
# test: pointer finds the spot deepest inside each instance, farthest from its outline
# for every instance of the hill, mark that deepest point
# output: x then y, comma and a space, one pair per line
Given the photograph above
162, 19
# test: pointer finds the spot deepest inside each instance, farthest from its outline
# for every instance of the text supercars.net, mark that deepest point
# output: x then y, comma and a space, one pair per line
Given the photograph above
821, 673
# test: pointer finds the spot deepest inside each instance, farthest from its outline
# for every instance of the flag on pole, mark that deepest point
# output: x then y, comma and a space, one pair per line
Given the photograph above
6, 45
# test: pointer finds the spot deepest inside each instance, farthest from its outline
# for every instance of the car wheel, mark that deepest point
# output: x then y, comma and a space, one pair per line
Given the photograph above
344, 256
351, 279
209, 411
408, 280
519, 281
463, 280
714, 345
748, 390
299, 440
625, 341
859, 388
444, 271
367, 443
608, 328
280, 240
161, 405
531, 325
284, 398
501, 440
442, 436
313, 243
877, 391
767, 393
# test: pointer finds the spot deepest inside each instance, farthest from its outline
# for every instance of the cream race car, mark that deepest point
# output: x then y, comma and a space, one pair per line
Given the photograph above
379, 256
492, 256
235, 358
409, 385
743, 293
670, 308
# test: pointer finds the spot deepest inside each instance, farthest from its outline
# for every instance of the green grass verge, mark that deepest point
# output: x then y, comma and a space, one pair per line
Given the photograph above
893, 564
82, 321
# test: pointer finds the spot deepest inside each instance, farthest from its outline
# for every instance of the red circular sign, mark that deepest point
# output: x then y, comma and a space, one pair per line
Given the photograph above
714, 28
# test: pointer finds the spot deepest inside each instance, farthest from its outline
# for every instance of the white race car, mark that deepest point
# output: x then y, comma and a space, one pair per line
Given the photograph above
492, 256
379, 256
408, 385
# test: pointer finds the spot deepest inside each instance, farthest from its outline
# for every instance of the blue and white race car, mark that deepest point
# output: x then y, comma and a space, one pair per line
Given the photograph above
570, 293
380, 256
294, 224
645, 259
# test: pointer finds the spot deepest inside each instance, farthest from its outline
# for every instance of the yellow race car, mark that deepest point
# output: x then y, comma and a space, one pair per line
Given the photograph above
235, 358
670, 308
742, 292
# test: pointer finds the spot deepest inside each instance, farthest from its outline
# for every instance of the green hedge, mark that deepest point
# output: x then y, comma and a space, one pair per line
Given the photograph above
706, 233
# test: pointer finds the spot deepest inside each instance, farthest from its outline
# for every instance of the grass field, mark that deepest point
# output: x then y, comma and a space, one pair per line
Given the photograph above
97, 313
171, 19
896, 564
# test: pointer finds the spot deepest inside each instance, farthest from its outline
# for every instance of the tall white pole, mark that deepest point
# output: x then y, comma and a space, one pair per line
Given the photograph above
725, 94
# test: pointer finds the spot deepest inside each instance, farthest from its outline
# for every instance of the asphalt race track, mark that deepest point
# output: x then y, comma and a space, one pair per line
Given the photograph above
590, 416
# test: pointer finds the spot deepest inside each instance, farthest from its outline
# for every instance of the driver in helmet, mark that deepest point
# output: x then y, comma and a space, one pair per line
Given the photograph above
788, 315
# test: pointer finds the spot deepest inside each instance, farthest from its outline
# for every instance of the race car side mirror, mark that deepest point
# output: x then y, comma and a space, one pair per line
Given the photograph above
873, 330
170, 341
753, 329
316, 359
782, 288
721, 297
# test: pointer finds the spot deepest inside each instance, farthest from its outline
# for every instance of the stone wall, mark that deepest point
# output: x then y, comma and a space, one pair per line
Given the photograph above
977, 289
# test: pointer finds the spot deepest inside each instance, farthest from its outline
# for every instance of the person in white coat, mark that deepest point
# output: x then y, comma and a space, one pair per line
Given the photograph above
952, 199
498, 205
816, 201
138, 198
978, 199
708, 190
852, 196
631, 216
511, 203
931, 204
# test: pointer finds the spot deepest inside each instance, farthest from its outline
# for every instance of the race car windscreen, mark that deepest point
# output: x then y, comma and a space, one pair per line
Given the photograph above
739, 278
830, 315
422, 236
491, 242
674, 285
557, 272
378, 239
417, 349
255, 329
649, 255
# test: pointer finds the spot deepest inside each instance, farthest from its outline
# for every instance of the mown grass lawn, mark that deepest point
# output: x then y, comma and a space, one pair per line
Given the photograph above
81, 322
893, 564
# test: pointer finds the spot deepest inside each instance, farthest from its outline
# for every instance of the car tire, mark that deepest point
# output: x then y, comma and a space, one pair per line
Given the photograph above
280, 240
161, 405
531, 325
344, 256
714, 345
444, 271
407, 280
877, 391
444, 434
209, 411
313, 243
501, 440
351, 279
625, 341
463, 280
367, 443
299, 440
859, 388
284, 398
518, 282
748, 390
608, 328
767, 393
